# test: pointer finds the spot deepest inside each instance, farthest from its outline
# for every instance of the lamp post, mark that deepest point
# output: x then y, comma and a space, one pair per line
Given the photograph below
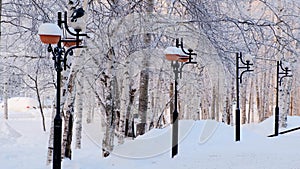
246, 68
51, 34
178, 57
281, 73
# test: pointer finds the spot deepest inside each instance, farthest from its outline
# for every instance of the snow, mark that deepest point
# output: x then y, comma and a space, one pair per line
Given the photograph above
204, 144
20, 104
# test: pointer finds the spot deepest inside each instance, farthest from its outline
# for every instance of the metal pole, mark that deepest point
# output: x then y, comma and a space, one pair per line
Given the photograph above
175, 114
237, 111
57, 119
277, 107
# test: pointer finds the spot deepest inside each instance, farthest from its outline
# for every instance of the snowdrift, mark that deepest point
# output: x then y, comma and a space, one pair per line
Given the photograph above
204, 144
20, 107
193, 136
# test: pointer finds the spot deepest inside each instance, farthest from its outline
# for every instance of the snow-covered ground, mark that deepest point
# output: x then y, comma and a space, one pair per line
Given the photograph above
203, 144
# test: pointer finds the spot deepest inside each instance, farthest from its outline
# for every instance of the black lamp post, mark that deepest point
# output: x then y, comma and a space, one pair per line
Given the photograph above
246, 67
49, 35
179, 58
281, 73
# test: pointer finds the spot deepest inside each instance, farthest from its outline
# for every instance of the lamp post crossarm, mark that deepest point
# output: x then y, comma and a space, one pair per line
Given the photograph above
183, 64
243, 62
282, 68
241, 75
239, 55
190, 51
246, 65
70, 51
65, 24
280, 79
285, 73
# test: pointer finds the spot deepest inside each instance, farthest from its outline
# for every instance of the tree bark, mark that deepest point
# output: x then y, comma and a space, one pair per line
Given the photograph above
171, 96
51, 136
250, 102
79, 112
144, 75
244, 102
5, 99
143, 102
70, 94
111, 106
213, 105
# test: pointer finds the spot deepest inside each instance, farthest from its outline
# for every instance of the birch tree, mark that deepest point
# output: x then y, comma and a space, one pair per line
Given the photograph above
144, 75
79, 110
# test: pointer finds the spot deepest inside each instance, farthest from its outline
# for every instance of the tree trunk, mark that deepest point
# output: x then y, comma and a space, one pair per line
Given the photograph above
123, 104
129, 117
111, 113
68, 132
68, 129
65, 82
144, 76
107, 143
152, 110
213, 105
171, 96
227, 109
250, 102
5, 98
244, 102
143, 102
79, 112
5, 87
231, 102
217, 93
285, 101
258, 100
40, 103
51, 136
111, 106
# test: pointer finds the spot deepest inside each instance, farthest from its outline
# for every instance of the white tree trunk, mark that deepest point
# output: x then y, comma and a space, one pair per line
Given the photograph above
65, 82
285, 95
79, 113
51, 136
5, 98
243, 101
68, 117
110, 114
124, 102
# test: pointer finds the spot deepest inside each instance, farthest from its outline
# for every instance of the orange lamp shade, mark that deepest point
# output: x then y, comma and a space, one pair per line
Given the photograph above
49, 33
49, 39
175, 54
172, 57
183, 59
70, 42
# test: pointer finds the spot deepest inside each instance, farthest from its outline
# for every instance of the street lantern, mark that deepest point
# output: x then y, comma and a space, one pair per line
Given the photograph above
49, 33
174, 53
239, 78
178, 57
69, 39
54, 34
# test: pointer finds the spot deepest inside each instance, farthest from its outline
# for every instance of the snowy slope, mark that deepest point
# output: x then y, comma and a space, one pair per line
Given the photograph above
203, 145
255, 150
